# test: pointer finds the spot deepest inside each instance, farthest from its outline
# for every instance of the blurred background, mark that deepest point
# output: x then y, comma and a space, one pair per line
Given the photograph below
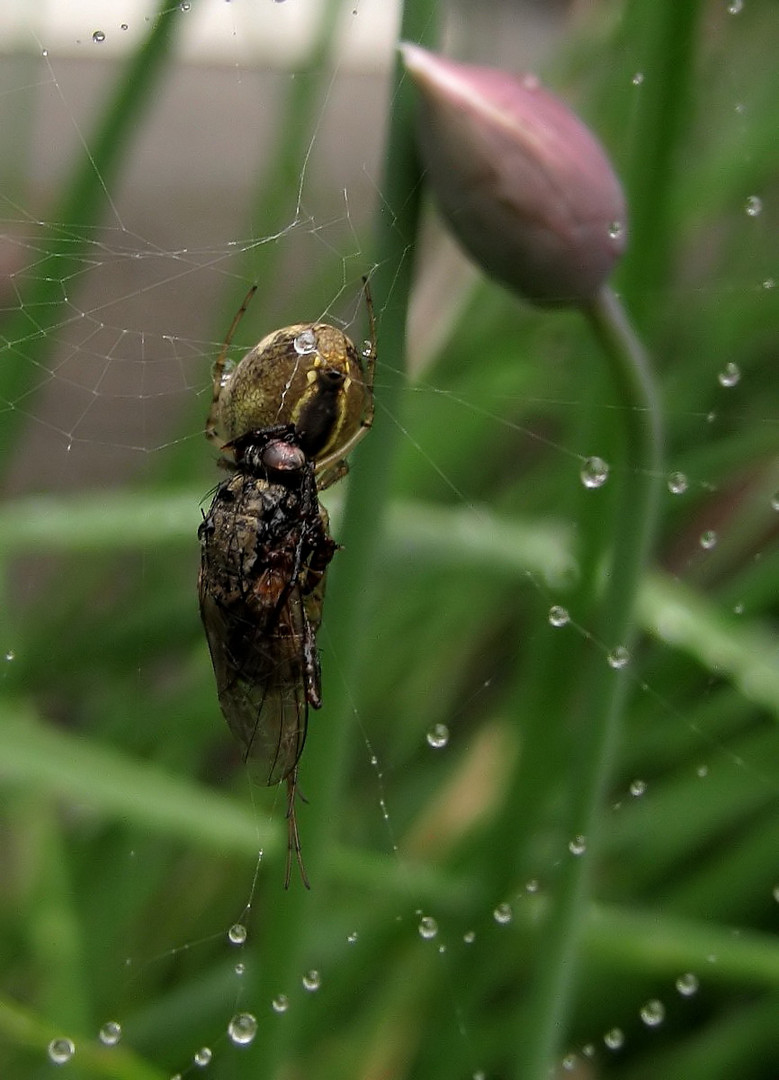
155, 162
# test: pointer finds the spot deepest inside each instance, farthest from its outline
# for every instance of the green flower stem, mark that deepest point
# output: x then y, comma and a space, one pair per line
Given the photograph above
290, 923
605, 691
44, 305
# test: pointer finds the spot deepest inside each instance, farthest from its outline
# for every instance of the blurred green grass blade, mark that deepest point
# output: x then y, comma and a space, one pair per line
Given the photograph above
67, 239
22, 1027
43, 758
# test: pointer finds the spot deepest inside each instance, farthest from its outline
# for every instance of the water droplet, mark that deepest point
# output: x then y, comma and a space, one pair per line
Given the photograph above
578, 845
769, 283
503, 914
236, 935
708, 539
637, 787
653, 1013
44, 52
312, 980
702, 771
367, 349
124, 26
594, 473
10, 656
618, 658
677, 483
351, 938
569, 1062
470, 936
280, 1003
753, 206
616, 229
729, 375
61, 1050
558, 616
184, 5
98, 37
242, 1028
203, 1057
531, 886
110, 1033
240, 969
305, 342
738, 609
588, 1050
428, 927
687, 984
438, 736
614, 1039
638, 78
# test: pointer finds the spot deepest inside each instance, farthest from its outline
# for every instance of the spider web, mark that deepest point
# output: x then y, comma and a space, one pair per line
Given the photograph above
112, 397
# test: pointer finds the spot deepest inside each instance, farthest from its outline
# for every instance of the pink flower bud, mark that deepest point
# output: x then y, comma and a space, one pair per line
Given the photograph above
521, 181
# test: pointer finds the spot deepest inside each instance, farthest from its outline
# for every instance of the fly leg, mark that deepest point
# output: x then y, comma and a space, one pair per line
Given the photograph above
293, 836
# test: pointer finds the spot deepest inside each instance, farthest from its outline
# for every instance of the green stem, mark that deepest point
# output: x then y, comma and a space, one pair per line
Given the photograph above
630, 541
291, 923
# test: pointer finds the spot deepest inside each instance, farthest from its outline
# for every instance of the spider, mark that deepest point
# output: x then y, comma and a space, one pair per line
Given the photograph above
309, 375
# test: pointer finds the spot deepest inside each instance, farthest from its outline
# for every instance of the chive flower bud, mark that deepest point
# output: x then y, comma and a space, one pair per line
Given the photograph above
521, 181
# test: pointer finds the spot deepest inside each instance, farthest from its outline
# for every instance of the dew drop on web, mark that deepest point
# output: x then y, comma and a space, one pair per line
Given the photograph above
61, 1050
203, 1057
558, 616
687, 984
438, 736
618, 658
730, 375
312, 980
110, 1033
614, 1039
594, 472
242, 1028
280, 1003
653, 1013
503, 914
428, 927
677, 483
236, 935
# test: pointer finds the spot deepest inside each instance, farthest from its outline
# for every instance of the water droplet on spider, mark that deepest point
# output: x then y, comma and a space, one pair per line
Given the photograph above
280, 1003
616, 229
98, 37
753, 206
708, 539
469, 937
305, 342
438, 736
637, 788
203, 1057
312, 980
687, 984
61, 1050
614, 1039
242, 1028
558, 616
677, 483
730, 375
638, 78
578, 845
236, 935
618, 658
594, 472
367, 349
428, 927
110, 1033
503, 914
653, 1013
